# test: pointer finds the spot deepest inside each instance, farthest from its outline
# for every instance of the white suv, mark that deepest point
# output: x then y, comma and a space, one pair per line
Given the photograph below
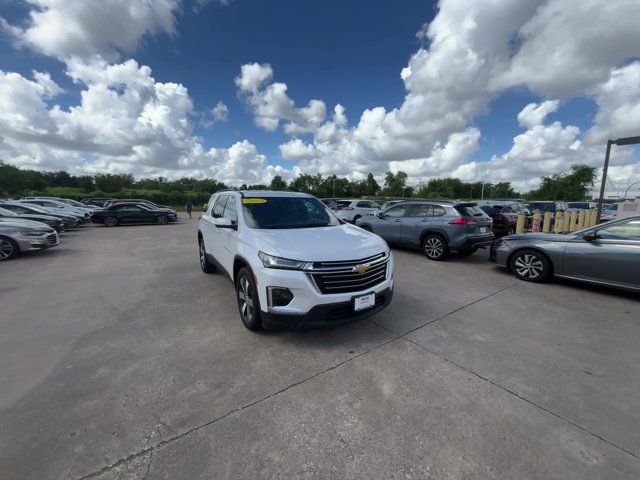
293, 263
353, 210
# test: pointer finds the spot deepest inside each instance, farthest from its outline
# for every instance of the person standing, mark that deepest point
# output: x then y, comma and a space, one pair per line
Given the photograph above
189, 207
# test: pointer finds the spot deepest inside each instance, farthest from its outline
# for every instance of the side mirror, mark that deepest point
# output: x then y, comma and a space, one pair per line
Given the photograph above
590, 236
204, 209
222, 222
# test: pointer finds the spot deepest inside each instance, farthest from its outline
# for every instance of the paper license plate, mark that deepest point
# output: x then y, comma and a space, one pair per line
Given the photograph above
363, 302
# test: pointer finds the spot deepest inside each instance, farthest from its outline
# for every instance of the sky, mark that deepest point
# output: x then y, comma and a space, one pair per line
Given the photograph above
242, 90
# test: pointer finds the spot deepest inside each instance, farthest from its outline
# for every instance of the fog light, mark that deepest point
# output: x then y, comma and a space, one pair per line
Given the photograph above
279, 296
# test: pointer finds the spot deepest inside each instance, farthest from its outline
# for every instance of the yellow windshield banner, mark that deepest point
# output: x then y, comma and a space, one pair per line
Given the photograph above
249, 201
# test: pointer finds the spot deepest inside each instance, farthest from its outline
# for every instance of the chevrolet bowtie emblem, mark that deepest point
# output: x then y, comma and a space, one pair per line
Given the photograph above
361, 268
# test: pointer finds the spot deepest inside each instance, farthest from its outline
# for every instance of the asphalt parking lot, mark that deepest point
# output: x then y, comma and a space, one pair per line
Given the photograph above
120, 360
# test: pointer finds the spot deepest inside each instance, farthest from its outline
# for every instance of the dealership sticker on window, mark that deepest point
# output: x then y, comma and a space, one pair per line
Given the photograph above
249, 201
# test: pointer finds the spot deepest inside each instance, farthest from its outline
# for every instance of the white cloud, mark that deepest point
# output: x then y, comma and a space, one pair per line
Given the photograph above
569, 46
220, 112
618, 102
126, 121
62, 28
534, 113
296, 149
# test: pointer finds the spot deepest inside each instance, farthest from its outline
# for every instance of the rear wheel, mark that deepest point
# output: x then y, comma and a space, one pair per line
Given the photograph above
355, 219
162, 220
435, 247
248, 303
110, 222
8, 248
530, 266
205, 264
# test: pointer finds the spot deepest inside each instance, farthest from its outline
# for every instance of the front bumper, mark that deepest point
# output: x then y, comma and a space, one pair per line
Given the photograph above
40, 242
309, 305
499, 253
326, 314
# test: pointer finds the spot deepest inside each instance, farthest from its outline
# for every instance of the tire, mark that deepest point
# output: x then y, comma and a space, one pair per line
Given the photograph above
355, 219
468, 251
8, 249
205, 264
435, 247
162, 220
366, 227
110, 222
248, 302
530, 266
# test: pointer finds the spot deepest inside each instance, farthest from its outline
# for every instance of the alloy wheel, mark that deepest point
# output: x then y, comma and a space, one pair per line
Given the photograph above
529, 266
433, 247
203, 258
245, 299
6, 249
162, 220
110, 222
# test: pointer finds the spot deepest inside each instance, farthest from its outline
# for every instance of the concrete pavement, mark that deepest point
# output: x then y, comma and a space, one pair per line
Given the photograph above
122, 360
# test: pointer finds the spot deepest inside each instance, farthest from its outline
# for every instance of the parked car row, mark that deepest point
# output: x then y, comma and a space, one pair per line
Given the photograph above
35, 223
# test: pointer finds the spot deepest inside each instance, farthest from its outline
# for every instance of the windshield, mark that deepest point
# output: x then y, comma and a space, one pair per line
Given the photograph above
287, 212
542, 206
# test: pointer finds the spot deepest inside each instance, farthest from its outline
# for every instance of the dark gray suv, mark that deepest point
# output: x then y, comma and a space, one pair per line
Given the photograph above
436, 227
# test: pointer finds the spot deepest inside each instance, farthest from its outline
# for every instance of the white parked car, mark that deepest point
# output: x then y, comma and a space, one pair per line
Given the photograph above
352, 210
293, 263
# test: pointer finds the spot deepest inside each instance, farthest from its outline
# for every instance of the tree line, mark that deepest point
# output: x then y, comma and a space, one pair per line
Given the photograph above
573, 185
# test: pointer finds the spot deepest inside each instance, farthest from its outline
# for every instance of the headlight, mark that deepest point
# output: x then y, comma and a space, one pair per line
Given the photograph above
28, 233
269, 261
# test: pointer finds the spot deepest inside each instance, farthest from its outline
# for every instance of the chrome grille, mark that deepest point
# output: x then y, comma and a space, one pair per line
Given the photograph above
344, 276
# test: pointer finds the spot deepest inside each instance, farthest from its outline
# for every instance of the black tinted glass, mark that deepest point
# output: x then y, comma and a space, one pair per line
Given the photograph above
218, 208
286, 212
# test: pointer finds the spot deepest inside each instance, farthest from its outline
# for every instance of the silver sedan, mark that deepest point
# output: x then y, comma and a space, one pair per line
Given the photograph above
607, 254
23, 236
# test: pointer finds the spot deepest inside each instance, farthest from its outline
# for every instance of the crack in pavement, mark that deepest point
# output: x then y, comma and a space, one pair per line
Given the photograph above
517, 395
163, 443
396, 336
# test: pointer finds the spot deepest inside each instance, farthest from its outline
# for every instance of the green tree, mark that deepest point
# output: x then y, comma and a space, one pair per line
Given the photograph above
371, 186
572, 186
395, 184
277, 183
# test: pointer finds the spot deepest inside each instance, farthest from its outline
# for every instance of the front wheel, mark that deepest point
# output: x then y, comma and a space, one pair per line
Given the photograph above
435, 247
530, 266
205, 264
110, 222
248, 303
8, 248
162, 220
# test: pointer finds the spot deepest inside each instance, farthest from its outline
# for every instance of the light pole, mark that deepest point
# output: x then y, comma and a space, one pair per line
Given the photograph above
629, 188
482, 192
619, 142
334, 186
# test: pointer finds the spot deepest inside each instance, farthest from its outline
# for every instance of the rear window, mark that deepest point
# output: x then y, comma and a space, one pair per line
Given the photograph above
490, 210
340, 205
542, 206
469, 211
583, 205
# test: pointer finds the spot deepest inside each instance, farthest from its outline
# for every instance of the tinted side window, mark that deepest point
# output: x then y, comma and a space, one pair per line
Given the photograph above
363, 205
231, 210
419, 210
218, 208
397, 211
438, 211
623, 231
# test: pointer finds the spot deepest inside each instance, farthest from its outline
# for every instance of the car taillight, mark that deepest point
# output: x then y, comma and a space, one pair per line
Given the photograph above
463, 221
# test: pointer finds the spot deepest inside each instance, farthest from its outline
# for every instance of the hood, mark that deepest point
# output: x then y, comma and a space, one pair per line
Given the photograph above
20, 222
322, 244
36, 217
546, 237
